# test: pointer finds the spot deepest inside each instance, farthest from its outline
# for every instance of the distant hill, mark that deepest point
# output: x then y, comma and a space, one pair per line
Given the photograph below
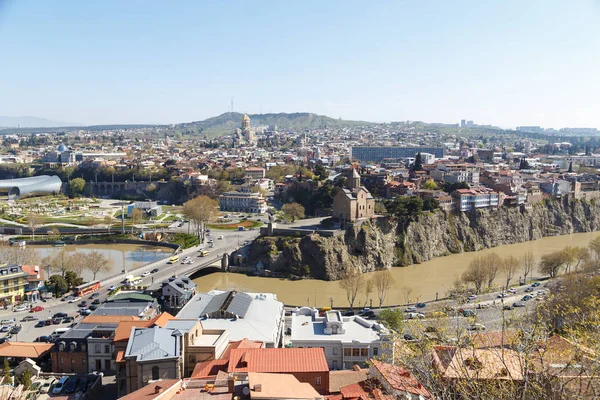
227, 122
29, 122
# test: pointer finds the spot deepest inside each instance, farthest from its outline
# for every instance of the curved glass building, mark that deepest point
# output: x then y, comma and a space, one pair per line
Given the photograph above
15, 188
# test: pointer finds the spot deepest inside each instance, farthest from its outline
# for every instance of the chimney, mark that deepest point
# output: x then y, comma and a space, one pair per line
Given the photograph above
157, 389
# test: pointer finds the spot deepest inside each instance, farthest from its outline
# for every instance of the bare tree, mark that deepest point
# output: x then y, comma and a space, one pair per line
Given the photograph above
47, 265
509, 267
18, 255
476, 273
594, 247
406, 292
383, 281
34, 221
96, 262
492, 264
527, 265
136, 216
368, 289
200, 211
109, 220
552, 263
55, 233
352, 282
581, 255
62, 262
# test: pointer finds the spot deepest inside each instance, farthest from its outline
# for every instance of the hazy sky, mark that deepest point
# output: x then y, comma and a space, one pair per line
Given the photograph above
508, 63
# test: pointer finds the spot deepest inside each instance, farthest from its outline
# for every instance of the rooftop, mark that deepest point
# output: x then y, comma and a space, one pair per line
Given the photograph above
277, 360
279, 386
25, 349
152, 343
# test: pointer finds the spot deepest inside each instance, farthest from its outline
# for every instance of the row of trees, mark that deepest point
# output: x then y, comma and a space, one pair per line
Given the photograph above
200, 211
76, 262
354, 282
483, 270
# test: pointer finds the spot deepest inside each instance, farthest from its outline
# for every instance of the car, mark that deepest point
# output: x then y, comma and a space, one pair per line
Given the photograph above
82, 386
482, 306
8, 321
409, 337
368, 314
57, 321
155, 270
414, 315
93, 307
36, 309
502, 295
526, 298
507, 307
476, 327
40, 324
48, 322
5, 328
220, 237
113, 287
85, 311
60, 385
74, 299
471, 297
411, 309
94, 295
211, 245
535, 284
60, 315
421, 305
469, 313
529, 289
83, 304
512, 290
68, 319
20, 309
364, 310
43, 339
71, 385
29, 318
518, 304
96, 301
145, 274
45, 388
348, 313
189, 262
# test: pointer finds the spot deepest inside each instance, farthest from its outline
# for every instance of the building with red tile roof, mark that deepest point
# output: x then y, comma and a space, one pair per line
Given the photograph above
397, 381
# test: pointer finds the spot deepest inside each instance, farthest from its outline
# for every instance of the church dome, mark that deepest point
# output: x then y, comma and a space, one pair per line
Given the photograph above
61, 147
245, 117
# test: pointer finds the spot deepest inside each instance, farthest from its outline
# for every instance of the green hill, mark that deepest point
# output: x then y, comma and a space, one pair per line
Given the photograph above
227, 123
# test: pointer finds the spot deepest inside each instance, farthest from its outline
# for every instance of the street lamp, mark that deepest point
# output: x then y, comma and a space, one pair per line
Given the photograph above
123, 204
331, 302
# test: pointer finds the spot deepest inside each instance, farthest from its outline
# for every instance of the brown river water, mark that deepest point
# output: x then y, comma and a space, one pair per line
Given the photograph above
426, 279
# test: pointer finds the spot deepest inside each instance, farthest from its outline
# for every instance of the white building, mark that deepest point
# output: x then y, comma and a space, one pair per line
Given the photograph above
345, 340
252, 316
242, 202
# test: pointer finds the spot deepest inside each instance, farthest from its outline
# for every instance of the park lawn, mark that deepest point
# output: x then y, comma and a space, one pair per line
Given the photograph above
234, 226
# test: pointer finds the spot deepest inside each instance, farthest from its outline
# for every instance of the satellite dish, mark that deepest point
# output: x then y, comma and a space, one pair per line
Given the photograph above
246, 391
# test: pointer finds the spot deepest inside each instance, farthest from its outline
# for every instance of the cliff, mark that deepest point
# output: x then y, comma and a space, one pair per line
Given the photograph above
385, 242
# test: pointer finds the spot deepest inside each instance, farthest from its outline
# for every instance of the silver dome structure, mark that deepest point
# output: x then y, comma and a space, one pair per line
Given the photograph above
62, 147
16, 188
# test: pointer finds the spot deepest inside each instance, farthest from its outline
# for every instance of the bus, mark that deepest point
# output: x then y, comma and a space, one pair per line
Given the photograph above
86, 288
134, 280
173, 260
203, 253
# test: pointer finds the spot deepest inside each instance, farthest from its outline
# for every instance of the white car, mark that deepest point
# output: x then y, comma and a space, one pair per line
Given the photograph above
512, 290
471, 297
146, 273
189, 261
7, 321
21, 309
74, 299
411, 309
113, 287
413, 315
502, 295
220, 237
476, 327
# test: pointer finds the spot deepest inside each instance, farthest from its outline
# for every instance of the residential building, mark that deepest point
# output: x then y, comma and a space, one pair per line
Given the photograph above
255, 316
176, 292
398, 382
34, 281
242, 202
476, 198
346, 341
12, 284
378, 153
255, 172
100, 348
265, 386
354, 201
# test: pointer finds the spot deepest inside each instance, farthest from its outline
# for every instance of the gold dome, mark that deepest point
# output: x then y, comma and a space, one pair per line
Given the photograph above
245, 117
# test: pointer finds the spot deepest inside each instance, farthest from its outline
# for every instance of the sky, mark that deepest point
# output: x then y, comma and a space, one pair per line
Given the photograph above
507, 63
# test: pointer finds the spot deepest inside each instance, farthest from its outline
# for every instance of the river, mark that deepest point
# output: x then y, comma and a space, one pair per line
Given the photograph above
426, 280
118, 255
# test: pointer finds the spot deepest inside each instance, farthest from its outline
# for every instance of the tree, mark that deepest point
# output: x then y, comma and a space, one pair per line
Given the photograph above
60, 285
76, 186
582, 255
55, 233
18, 255
594, 247
476, 273
34, 221
570, 167
321, 172
352, 282
523, 164
26, 379
551, 263
136, 217
200, 211
109, 220
527, 265
383, 282
418, 164
509, 267
430, 185
406, 292
47, 265
96, 262
293, 211
368, 289
61, 262
6, 373
570, 257
492, 264
73, 280
393, 319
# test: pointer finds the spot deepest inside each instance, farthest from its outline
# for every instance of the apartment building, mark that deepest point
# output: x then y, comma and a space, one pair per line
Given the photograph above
242, 202
12, 284
476, 198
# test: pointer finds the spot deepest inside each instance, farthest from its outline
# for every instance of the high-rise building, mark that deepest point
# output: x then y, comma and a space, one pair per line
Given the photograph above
378, 153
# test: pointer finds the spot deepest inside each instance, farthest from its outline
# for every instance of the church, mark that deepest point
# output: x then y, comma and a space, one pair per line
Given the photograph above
244, 134
354, 201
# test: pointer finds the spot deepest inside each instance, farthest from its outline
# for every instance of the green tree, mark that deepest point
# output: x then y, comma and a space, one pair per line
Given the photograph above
293, 211
6, 373
321, 172
430, 185
393, 319
73, 279
26, 379
76, 186
418, 164
60, 285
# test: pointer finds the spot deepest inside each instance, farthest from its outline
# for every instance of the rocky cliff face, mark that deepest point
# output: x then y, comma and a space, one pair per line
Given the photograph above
386, 242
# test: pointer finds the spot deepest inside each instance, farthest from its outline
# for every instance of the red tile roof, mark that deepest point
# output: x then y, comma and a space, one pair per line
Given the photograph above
208, 369
401, 379
24, 349
241, 344
148, 392
287, 360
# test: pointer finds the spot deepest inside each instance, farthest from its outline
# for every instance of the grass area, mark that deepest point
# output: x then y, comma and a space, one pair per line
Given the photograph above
246, 224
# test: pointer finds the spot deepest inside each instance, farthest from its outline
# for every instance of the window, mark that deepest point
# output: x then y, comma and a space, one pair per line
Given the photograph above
155, 373
83, 361
107, 348
83, 346
355, 352
364, 352
318, 380
61, 360
5, 290
72, 362
347, 352
61, 346
375, 351
97, 348
73, 346
335, 351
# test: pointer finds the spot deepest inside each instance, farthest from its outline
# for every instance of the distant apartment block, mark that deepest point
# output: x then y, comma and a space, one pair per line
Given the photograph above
255, 172
471, 199
376, 154
242, 202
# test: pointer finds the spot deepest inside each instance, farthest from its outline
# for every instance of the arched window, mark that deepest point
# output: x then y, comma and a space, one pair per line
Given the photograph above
155, 373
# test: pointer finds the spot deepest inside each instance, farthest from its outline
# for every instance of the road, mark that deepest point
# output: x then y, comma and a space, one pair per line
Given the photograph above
230, 242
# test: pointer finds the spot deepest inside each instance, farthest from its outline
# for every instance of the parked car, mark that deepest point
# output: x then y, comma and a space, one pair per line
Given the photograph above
37, 309
60, 315
93, 307
349, 313
471, 297
111, 288
71, 385
482, 306
421, 305
57, 321
85, 311
83, 304
48, 321
40, 324
60, 385
43, 339
8, 321
155, 270
507, 307
476, 327
45, 388
409, 337
29, 318
512, 290
82, 386
535, 284
68, 320
96, 301
5, 328
529, 289
20, 309
526, 298
411, 309
94, 295
145, 274
518, 304
414, 315
469, 313
502, 295
74, 299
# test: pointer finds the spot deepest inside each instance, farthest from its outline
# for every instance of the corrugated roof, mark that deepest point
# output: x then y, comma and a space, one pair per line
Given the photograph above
215, 303
277, 360
240, 304
152, 343
101, 319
